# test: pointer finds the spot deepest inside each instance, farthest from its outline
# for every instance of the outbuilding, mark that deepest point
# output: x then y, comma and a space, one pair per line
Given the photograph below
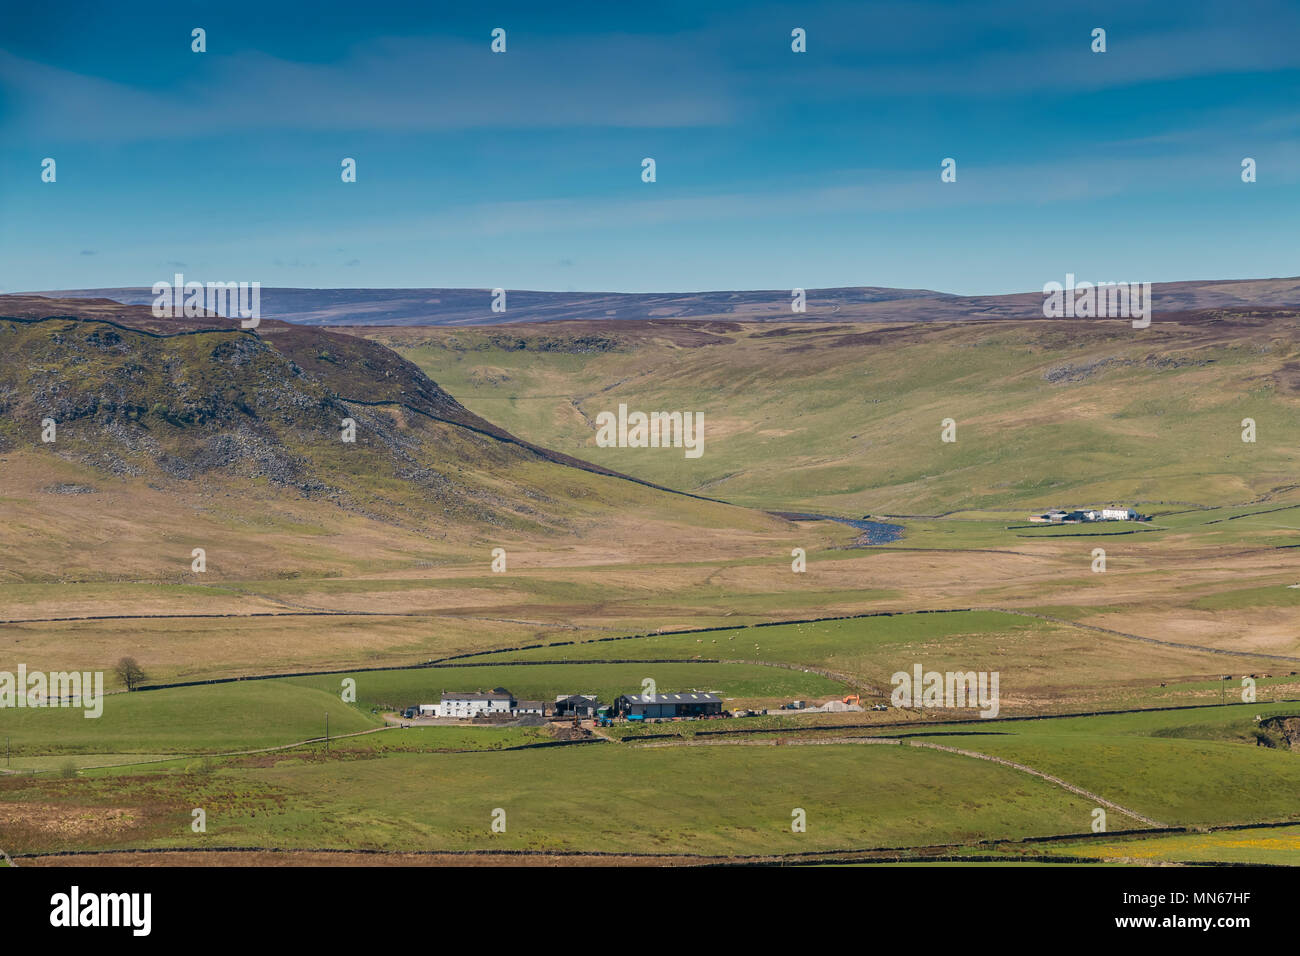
576, 705
649, 706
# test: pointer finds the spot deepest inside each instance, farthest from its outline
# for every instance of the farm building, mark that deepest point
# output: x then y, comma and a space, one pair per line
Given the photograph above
479, 704
498, 701
692, 704
1051, 517
1056, 516
576, 705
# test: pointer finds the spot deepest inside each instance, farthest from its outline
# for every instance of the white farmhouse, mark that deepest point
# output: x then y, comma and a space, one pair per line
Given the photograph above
464, 706
1118, 514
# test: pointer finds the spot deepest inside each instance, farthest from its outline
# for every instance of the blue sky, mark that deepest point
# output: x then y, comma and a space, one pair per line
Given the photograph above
523, 170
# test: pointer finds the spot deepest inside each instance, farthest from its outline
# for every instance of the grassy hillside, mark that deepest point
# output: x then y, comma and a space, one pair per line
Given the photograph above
358, 558
436, 788
217, 407
175, 434
183, 434
698, 800
1183, 768
847, 420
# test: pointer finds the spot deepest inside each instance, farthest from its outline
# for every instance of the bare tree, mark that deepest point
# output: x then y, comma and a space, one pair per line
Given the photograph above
130, 673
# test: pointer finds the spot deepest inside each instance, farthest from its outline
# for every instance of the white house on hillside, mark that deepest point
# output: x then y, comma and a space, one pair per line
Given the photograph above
497, 701
1056, 516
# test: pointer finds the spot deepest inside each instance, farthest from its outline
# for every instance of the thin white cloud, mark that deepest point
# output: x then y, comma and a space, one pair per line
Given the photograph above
898, 49
723, 71
862, 193
397, 84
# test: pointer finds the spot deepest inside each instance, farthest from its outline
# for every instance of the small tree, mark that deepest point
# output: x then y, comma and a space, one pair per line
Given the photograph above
130, 673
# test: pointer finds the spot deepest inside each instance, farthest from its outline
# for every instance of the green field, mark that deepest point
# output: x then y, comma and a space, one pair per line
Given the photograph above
1055, 665
1182, 768
434, 789
607, 681
599, 797
375, 573
220, 717
846, 644
267, 713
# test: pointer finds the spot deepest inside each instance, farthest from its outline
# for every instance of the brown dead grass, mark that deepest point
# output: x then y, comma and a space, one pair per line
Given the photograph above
52, 820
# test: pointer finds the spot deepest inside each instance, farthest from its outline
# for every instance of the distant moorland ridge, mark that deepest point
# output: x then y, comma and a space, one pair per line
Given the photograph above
852, 304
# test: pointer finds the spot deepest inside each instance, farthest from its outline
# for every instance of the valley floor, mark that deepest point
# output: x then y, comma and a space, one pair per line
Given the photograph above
1149, 694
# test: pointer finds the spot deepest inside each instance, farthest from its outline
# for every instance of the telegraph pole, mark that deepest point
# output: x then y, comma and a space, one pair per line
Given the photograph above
327, 730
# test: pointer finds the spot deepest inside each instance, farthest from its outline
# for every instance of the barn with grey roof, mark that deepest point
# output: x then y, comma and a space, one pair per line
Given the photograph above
686, 704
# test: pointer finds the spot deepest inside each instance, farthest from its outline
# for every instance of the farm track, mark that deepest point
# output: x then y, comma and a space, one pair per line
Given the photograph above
1023, 768
1150, 640
1156, 826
